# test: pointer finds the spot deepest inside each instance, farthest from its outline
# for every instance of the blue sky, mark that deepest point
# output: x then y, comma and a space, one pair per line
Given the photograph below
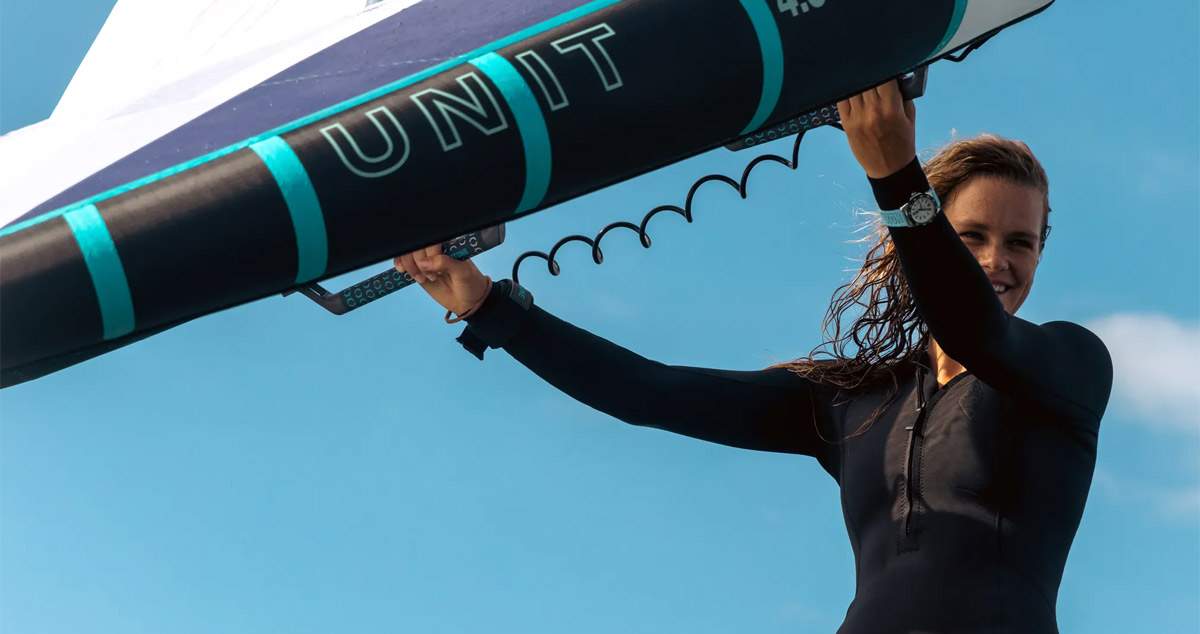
273, 468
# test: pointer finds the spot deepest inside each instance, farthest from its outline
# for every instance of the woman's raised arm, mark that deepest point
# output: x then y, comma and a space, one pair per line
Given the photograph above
764, 410
1059, 365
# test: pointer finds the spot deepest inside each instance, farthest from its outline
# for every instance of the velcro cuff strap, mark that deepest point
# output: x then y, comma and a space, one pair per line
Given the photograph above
499, 318
472, 343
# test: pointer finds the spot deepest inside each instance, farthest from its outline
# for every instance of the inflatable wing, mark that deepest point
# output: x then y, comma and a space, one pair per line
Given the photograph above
274, 144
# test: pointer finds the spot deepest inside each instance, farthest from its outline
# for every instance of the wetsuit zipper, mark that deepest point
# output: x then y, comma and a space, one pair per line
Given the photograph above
916, 432
910, 454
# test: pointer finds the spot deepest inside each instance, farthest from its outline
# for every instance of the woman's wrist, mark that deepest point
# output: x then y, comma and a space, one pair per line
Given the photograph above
498, 318
467, 311
895, 189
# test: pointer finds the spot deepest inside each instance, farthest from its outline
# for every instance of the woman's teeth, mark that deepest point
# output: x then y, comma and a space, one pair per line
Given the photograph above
1000, 288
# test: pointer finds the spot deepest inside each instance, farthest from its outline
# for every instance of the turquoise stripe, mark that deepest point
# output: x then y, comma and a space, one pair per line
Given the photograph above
530, 122
104, 264
552, 23
960, 7
312, 247
771, 45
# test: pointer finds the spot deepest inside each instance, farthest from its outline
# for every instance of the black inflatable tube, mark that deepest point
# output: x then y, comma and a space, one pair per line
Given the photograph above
622, 89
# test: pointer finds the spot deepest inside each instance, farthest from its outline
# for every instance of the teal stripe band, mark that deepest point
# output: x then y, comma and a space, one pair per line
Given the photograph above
536, 29
104, 264
960, 7
530, 122
772, 57
312, 246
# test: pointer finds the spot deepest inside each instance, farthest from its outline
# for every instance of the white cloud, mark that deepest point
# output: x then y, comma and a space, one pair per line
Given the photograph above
798, 611
1156, 367
1183, 503
611, 305
1163, 172
1173, 503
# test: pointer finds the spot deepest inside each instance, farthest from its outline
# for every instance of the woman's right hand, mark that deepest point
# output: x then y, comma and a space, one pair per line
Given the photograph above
455, 284
880, 125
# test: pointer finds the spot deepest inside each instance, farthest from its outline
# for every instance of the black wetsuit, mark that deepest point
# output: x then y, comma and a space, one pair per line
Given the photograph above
961, 500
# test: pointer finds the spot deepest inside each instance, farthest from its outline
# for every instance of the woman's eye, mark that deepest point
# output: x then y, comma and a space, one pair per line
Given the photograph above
973, 235
1024, 244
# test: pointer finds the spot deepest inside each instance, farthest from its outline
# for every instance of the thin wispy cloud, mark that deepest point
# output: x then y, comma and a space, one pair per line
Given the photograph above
612, 306
1174, 503
798, 611
1156, 368
1162, 172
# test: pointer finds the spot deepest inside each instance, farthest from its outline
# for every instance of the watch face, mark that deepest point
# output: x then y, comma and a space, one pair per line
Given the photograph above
922, 210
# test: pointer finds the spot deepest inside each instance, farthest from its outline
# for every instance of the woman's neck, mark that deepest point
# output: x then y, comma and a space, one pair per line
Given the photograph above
944, 367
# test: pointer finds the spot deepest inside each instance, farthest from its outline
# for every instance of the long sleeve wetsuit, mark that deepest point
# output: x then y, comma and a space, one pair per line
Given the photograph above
961, 500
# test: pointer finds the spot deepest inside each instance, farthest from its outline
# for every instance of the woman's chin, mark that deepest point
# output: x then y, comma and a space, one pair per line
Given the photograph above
1010, 302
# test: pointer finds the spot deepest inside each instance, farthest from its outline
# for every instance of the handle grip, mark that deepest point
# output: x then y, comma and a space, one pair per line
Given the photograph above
911, 87
380, 285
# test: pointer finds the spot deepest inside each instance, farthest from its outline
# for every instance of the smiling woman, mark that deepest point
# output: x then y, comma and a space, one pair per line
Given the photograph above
960, 516
997, 197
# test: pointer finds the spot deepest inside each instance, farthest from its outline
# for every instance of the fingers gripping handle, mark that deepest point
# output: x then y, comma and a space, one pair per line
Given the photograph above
352, 297
911, 87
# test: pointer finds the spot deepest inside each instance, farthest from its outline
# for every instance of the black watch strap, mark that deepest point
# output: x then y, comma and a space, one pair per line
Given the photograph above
499, 318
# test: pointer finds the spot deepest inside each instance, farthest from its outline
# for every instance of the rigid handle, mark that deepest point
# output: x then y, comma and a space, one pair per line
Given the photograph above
911, 87
358, 295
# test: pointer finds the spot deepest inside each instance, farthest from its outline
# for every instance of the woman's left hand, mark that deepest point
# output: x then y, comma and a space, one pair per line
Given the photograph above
881, 128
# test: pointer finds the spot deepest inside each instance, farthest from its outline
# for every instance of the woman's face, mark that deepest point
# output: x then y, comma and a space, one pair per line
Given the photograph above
1000, 223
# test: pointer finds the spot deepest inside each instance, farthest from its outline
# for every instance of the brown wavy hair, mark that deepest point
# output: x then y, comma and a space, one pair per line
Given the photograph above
869, 351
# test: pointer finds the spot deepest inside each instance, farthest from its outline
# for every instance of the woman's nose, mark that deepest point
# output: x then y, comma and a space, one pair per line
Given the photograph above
992, 257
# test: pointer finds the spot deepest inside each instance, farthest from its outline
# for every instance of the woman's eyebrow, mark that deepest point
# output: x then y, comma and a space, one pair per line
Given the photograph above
1022, 234
974, 225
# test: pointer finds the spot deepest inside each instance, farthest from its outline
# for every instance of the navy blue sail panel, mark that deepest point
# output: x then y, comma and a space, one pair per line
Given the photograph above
415, 39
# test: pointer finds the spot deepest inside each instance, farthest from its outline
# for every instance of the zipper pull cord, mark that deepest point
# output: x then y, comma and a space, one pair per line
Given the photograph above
909, 455
920, 391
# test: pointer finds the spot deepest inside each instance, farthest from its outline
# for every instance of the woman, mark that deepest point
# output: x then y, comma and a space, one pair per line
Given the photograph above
963, 438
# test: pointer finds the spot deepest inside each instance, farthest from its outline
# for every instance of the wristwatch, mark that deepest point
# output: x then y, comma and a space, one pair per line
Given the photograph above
920, 210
